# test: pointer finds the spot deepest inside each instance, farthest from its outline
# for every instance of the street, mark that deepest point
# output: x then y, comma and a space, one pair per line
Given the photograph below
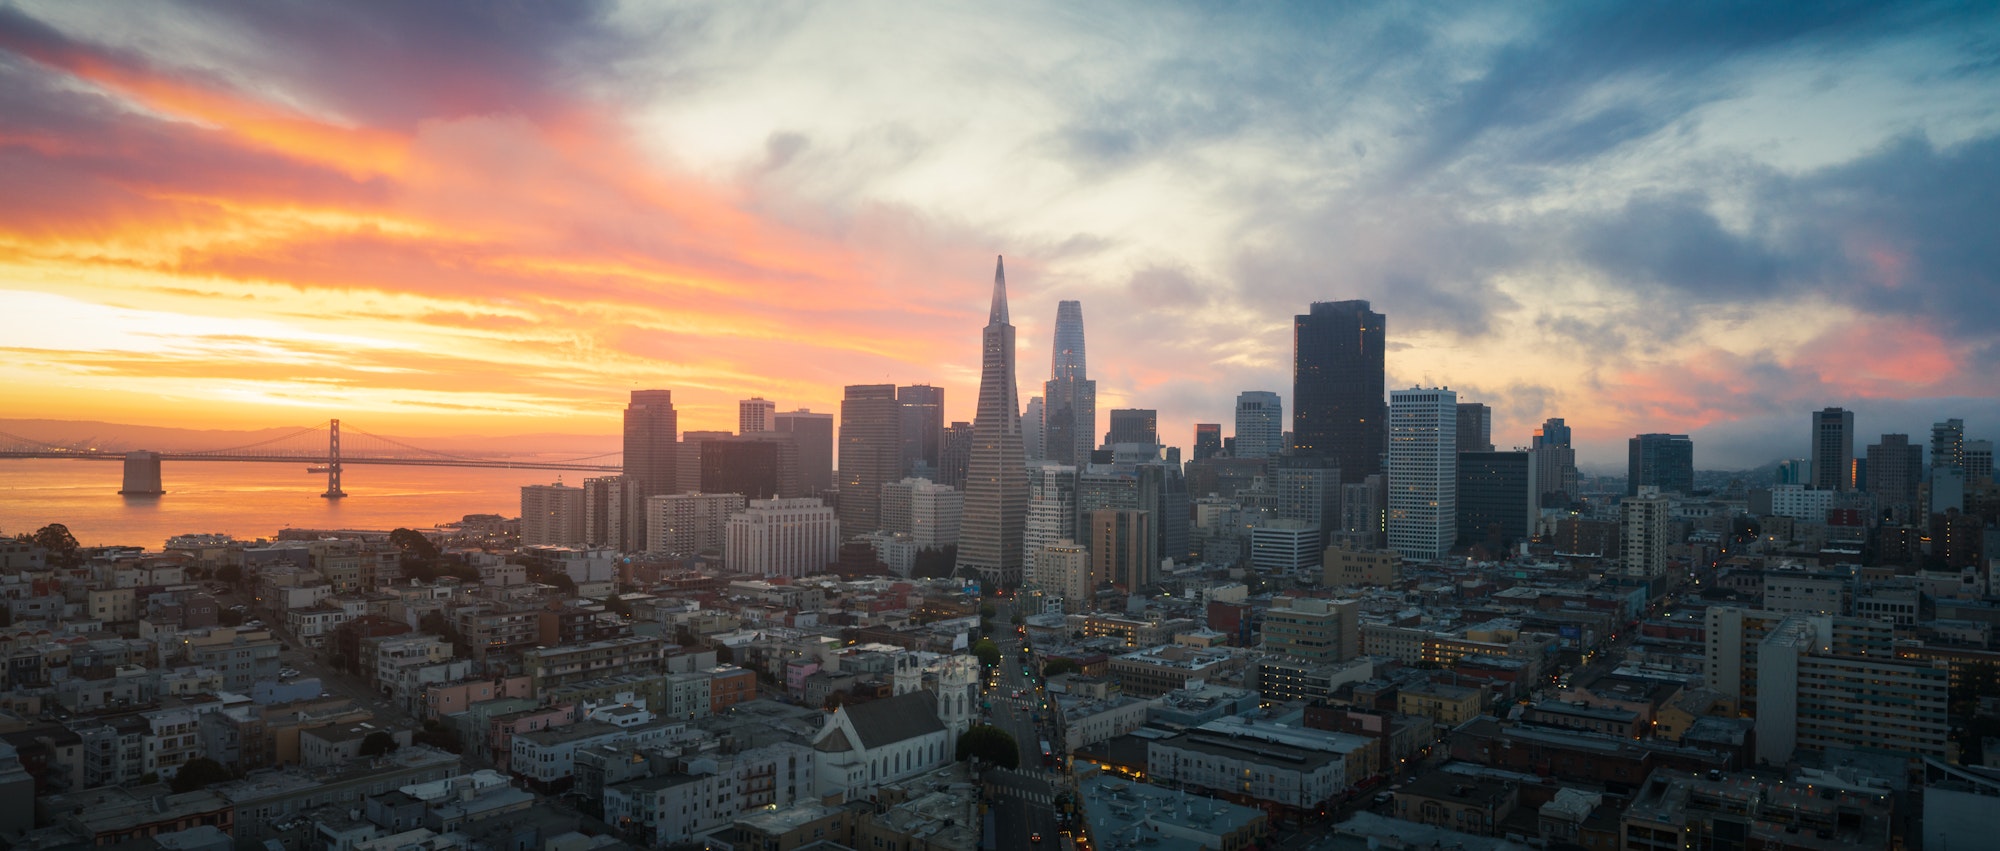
1023, 799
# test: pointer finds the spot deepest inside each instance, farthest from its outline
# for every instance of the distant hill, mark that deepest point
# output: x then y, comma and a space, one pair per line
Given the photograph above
121, 437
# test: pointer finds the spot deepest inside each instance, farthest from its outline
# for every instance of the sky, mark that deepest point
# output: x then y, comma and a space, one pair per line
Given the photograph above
448, 218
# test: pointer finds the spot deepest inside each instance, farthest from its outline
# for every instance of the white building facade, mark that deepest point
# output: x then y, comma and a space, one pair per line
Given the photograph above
782, 537
1423, 471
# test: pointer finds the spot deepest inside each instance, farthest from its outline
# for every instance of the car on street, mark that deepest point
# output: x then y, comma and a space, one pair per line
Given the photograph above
1035, 837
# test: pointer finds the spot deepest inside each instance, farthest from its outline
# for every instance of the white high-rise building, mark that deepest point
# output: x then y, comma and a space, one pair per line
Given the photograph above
1423, 471
928, 512
782, 537
551, 515
1051, 507
756, 414
1260, 424
690, 523
1642, 536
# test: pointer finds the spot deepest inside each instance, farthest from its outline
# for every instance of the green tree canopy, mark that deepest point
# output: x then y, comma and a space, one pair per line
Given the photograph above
413, 544
60, 544
197, 773
987, 610
229, 574
987, 651
990, 744
1061, 666
378, 743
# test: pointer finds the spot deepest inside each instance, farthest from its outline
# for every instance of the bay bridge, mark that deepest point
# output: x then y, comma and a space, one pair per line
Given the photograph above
319, 446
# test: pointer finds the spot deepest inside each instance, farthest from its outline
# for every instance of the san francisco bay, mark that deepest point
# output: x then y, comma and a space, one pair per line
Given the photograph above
248, 500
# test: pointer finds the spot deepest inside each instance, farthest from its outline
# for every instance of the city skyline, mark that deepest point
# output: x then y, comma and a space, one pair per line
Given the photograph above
1710, 224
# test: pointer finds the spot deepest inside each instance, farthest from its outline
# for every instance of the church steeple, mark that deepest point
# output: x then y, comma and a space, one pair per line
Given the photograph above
999, 314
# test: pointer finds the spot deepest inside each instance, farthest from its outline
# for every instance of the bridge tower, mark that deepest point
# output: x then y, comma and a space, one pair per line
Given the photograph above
333, 490
142, 474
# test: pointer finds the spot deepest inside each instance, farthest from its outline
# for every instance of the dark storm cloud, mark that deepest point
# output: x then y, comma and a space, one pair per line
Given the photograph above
1675, 242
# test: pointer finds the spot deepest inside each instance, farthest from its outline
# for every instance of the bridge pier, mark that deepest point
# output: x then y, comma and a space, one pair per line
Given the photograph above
142, 474
333, 490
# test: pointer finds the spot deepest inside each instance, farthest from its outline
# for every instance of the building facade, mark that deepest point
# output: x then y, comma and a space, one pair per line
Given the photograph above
1423, 472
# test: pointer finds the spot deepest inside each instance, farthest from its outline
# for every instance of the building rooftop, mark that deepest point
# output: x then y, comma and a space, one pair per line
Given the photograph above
1127, 814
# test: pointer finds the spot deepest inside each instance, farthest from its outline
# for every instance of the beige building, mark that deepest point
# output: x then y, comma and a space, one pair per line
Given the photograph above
1313, 629
1342, 565
1448, 705
1062, 569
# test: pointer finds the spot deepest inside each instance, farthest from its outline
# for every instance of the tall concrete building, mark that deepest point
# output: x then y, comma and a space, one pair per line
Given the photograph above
814, 435
1207, 440
871, 453
1895, 469
1423, 471
1555, 464
758, 465
930, 513
1307, 488
1034, 435
551, 515
781, 537
1496, 497
1664, 461
1948, 445
1337, 381
1052, 512
691, 523
652, 458
756, 414
1121, 549
1133, 425
1475, 427
1069, 407
1062, 570
921, 422
996, 480
689, 459
1260, 424
1833, 450
1642, 536
956, 455
1313, 629
604, 511
1979, 462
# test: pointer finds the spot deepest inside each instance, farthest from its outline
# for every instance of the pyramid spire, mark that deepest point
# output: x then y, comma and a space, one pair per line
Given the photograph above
999, 314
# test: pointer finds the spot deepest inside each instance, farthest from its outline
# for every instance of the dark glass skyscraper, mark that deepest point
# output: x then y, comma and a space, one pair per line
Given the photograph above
1207, 440
1133, 425
871, 454
1337, 384
1069, 412
1665, 461
652, 451
922, 408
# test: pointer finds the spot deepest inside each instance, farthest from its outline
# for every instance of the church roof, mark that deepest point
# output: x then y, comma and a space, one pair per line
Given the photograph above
834, 743
894, 719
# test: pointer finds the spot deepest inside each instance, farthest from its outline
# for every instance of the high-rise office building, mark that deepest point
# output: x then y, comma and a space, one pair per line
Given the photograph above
1895, 469
1034, 434
1497, 497
1207, 440
1260, 424
551, 515
758, 465
782, 537
1555, 464
1133, 425
1948, 445
1833, 450
871, 454
1423, 471
1642, 535
1475, 427
814, 435
652, 458
922, 425
756, 414
956, 455
689, 464
604, 511
930, 513
996, 480
1664, 461
1337, 381
1069, 408
1052, 514
1121, 549
1307, 488
1978, 462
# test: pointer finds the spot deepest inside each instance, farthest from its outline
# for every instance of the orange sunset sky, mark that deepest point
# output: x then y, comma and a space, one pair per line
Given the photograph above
436, 219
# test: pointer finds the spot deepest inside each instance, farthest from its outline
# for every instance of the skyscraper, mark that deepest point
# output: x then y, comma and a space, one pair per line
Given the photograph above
814, 435
1052, 514
1121, 548
1260, 424
1555, 464
1664, 461
922, 425
1496, 497
1133, 425
956, 455
1423, 471
1948, 445
1833, 450
1069, 406
1642, 538
996, 481
551, 515
756, 414
652, 452
1207, 440
871, 453
1337, 381
1895, 467
1034, 430
1475, 427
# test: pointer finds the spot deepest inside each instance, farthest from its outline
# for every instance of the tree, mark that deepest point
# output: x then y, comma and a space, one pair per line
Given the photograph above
1019, 618
990, 744
617, 606
378, 743
197, 773
413, 544
1061, 666
987, 610
60, 544
439, 736
987, 651
230, 575
229, 617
